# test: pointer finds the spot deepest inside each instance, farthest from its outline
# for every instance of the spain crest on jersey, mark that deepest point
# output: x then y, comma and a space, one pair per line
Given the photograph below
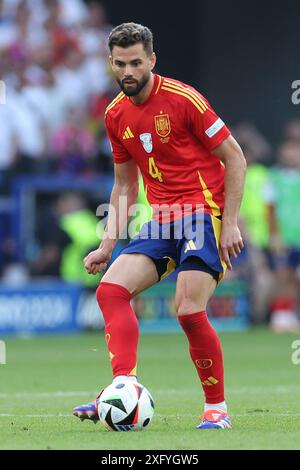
162, 125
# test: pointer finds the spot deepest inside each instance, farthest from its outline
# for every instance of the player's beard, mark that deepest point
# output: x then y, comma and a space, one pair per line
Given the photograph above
134, 88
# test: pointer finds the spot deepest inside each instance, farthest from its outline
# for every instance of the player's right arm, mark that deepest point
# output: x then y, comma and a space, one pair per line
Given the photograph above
123, 195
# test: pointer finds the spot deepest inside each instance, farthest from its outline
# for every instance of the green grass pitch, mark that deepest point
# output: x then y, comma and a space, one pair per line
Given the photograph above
45, 377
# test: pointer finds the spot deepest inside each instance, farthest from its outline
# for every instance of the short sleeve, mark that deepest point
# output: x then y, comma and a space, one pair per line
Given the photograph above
204, 123
119, 152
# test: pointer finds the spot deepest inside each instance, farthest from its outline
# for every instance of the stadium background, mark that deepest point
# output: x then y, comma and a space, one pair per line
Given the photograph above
55, 160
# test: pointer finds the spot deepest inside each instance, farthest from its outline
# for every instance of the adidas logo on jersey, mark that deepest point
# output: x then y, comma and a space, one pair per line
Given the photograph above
128, 134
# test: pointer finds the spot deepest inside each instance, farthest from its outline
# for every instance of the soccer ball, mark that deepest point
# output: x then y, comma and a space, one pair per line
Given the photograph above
125, 406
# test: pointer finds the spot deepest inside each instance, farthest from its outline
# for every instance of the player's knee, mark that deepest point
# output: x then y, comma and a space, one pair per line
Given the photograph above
108, 293
187, 307
186, 302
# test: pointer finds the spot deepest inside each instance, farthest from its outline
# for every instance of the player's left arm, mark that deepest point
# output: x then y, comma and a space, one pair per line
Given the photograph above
231, 154
209, 128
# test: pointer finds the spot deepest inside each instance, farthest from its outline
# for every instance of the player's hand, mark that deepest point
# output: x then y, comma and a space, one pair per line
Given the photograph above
96, 261
231, 243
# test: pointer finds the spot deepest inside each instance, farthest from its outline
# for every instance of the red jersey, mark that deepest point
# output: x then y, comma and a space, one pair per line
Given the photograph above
171, 137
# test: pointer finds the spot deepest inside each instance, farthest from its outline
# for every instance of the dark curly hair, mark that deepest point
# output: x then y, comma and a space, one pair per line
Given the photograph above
129, 34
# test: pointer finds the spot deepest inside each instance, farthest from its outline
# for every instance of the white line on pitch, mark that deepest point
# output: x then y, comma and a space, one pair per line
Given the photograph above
91, 394
235, 415
48, 394
12, 415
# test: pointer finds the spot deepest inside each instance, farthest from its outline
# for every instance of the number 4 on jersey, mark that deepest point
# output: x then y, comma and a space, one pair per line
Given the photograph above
154, 171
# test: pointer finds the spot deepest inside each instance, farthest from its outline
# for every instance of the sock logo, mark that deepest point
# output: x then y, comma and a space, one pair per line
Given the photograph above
107, 337
111, 355
210, 381
203, 363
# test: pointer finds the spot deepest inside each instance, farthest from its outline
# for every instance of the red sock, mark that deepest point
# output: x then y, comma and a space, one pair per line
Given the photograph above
206, 354
121, 327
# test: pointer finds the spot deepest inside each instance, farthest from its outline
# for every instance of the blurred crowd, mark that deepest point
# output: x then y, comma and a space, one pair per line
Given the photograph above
270, 223
53, 60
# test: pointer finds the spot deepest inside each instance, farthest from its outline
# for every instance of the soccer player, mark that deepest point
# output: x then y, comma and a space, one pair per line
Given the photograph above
193, 172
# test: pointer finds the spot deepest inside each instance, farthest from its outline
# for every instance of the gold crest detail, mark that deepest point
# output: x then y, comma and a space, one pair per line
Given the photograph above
162, 125
203, 363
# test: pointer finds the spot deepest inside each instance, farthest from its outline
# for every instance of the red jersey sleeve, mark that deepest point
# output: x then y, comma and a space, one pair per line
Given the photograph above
205, 124
119, 152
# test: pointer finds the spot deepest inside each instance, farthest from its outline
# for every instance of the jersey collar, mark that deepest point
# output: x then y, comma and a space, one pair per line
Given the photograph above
155, 89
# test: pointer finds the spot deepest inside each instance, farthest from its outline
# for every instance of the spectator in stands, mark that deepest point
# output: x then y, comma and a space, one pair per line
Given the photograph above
72, 233
292, 130
8, 150
74, 144
255, 229
28, 125
254, 222
283, 196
